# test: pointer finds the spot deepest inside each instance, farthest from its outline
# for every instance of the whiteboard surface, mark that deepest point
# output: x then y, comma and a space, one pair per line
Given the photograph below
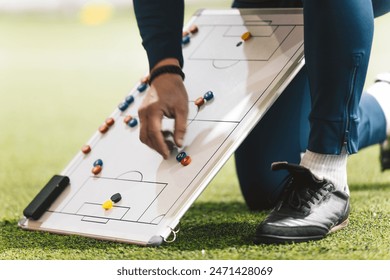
156, 193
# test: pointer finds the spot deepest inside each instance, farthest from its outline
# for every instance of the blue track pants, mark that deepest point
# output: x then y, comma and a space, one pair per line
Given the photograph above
323, 109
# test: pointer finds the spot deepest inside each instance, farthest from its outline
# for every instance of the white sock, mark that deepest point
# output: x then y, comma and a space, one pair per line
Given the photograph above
381, 92
330, 167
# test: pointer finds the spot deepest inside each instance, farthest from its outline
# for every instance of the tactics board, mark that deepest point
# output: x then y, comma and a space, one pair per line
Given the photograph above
245, 77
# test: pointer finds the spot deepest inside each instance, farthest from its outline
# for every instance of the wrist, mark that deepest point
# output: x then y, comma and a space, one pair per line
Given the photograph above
165, 69
166, 61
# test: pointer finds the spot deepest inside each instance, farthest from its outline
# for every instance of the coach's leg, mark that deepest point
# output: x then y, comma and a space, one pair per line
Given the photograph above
280, 135
338, 37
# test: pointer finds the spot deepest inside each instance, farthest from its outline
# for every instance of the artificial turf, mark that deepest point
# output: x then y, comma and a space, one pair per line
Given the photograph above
60, 78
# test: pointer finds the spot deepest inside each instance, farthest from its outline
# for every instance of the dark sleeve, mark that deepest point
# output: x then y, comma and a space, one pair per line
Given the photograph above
160, 23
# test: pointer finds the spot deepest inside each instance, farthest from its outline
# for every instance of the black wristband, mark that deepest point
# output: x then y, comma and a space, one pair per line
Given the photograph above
172, 69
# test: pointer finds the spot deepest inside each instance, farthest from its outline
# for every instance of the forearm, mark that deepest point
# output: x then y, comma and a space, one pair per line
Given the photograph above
160, 24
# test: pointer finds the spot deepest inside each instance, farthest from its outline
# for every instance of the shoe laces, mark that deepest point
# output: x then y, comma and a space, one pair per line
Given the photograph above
302, 188
301, 195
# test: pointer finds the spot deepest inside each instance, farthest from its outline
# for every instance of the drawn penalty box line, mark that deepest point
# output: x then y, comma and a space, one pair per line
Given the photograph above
97, 189
116, 213
225, 49
256, 30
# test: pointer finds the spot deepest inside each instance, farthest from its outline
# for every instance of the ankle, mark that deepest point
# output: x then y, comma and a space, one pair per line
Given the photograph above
330, 167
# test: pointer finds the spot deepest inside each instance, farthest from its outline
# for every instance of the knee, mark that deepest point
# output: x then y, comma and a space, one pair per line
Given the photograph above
260, 187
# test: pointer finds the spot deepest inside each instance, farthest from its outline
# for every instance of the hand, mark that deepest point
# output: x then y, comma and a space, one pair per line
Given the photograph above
167, 96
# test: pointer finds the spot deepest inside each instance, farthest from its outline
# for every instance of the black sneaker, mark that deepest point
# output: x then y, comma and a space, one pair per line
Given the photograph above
309, 209
384, 155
